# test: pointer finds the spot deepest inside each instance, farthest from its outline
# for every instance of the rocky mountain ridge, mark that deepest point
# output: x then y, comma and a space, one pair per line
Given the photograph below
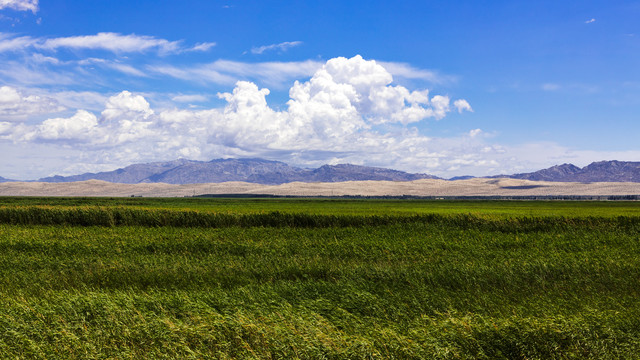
248, 170
601, 171
269, 172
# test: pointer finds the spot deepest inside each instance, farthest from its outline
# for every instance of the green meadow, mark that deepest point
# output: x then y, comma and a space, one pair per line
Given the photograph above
190, 278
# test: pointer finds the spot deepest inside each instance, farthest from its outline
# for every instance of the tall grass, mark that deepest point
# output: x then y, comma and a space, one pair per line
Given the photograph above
121, 216
129, 282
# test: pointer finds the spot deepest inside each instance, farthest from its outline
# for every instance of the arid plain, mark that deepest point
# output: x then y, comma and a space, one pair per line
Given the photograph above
471, 187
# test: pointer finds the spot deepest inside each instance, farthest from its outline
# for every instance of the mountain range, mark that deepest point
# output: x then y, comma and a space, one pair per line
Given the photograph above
601, 171
249, 170
269, 172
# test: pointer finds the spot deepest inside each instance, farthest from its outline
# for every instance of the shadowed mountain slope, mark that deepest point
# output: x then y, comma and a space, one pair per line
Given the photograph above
602, 171
269, 172
249, 170
131, 174
349, 172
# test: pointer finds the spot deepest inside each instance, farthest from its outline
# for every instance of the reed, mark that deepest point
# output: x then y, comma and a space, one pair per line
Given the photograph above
119, 281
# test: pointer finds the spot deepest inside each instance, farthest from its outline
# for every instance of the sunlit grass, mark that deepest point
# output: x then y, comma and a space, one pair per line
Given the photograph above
125, 280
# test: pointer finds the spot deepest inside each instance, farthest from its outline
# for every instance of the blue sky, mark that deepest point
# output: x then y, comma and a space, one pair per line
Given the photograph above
446, 88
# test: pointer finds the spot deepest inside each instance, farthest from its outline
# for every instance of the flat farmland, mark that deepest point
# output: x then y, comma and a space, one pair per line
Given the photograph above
84, 278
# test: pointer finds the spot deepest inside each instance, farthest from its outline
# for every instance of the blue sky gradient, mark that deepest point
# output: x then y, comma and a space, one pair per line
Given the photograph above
475, 87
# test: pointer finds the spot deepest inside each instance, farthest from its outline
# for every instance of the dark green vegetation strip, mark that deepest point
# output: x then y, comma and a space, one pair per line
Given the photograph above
121, 216
440, 286
345, 207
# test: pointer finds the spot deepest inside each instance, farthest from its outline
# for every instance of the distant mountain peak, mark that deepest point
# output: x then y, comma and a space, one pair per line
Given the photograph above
600, 171
5, 180
254, 170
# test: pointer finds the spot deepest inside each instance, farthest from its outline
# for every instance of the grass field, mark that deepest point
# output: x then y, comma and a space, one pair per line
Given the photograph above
318, 279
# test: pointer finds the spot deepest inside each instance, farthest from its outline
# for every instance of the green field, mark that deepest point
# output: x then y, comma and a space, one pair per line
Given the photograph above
318, 279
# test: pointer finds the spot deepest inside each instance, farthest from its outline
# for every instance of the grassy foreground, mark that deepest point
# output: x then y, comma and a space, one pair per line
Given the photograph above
283, 279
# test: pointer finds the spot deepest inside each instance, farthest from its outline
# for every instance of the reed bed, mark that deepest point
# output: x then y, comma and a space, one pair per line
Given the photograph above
125, 282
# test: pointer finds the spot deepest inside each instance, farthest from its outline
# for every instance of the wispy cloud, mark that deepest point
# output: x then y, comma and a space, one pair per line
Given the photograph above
550, 87
226, 72
190, 98
125, 69
27, 73
198, 74
592, 20
409, 72
280, 74
114, 42
206, 46
37, 69
40, 59
8, 42
115, 65
283, 46
20, 5
270, 72
571, 87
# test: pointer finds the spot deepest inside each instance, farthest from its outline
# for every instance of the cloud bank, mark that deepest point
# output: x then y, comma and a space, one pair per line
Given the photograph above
15, 105
348, 111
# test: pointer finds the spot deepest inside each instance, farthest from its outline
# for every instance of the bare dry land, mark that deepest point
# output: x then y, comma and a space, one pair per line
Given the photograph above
471, 187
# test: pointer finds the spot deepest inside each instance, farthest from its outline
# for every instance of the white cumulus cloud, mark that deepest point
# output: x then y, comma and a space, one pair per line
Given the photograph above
348, 111
359, 92
82, 126
16, 105
5, 128
128, 105
20, 5
462, 105
126, 118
